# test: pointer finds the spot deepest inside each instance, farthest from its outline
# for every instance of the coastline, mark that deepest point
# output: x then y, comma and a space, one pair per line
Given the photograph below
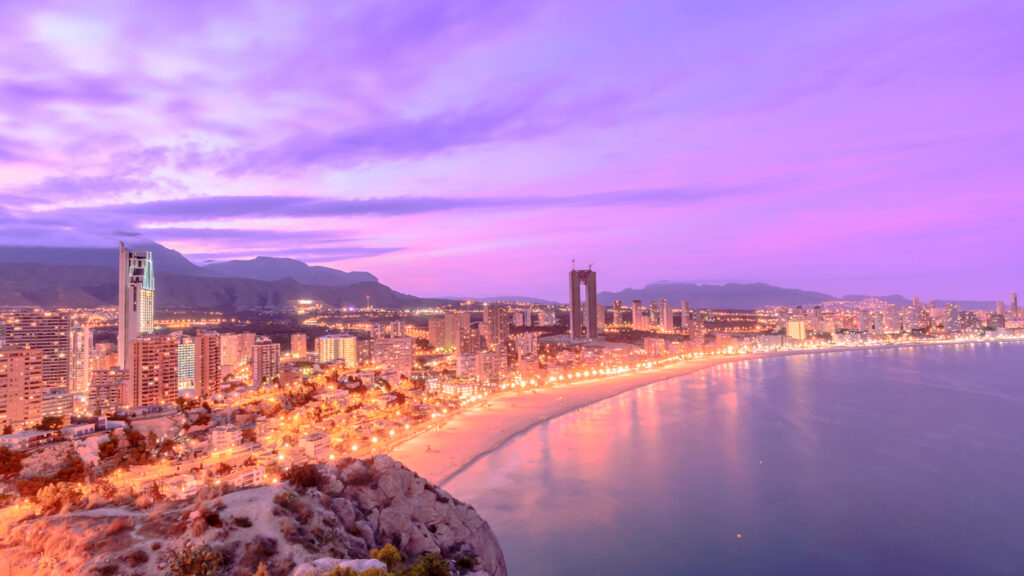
458, 441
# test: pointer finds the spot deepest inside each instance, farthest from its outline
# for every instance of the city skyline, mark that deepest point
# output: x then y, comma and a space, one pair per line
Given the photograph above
845, 149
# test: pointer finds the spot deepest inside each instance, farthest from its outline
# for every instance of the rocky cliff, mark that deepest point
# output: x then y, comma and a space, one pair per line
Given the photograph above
341, 510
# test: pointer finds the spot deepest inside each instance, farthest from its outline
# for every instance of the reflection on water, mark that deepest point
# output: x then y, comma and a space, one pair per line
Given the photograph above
902, 461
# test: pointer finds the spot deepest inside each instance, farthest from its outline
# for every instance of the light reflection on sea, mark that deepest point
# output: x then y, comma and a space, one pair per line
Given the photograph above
899, 461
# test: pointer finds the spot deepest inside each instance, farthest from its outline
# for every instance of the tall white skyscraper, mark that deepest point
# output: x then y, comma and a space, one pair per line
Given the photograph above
665, 316
135, 291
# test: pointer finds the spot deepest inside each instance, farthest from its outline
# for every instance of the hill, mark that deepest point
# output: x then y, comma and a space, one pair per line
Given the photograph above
266, 268
726, 296
30, 284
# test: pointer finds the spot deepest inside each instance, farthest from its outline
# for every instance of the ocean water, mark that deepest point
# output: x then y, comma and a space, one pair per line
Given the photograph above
898, 461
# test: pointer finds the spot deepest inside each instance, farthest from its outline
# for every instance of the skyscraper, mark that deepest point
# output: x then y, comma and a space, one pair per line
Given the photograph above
395, 356
665, 316
454, 322
496, 320
153, 374
1014, 310
333, 347
580, 326
186, 362
266, 358
952, 321
299, 345
617, 313
135, 298
638, 315
50, 334
21, 387
207, 364
80, 346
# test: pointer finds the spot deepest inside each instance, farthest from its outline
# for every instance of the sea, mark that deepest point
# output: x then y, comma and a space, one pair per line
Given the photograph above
900, 461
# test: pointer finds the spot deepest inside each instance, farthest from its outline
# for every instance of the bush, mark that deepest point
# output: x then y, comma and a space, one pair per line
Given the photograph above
428, 565
306, 476
10, 461
213, 519
54, 498
388, 555
467, 562
243, 522
189, 561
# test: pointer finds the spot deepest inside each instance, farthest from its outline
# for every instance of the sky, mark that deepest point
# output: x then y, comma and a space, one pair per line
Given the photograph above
477, 148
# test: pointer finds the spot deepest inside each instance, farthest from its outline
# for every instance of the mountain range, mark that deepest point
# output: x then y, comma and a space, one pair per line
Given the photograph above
86, 277
736, 296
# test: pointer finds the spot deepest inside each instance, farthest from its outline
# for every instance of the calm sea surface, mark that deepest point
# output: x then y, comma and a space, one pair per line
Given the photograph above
899, 461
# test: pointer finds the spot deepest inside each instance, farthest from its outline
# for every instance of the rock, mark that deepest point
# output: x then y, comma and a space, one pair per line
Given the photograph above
326, 565
387, 504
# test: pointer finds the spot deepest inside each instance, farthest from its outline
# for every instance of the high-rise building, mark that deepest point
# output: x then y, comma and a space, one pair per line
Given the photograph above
496, 322
135, 300
638, 315
665, 316
334, 347
207, 364
684, 314
80, 354
602, 313
1001, 308
1014, 310
21, 387
153, 374
797, 330
394, 355
582, 322
546, 317
299, 345
454, 322
435, 332
617, 313
236, 350
952, 321
186, 362
48, 332
526, 344
108, 390
470, 341
266, 358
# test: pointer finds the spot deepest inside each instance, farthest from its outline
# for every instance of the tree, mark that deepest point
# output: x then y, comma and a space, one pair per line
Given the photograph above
8, 429
50, 423
10, 461
53, 498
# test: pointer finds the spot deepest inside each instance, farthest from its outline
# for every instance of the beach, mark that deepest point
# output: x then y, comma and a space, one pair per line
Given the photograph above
456, 441
440, 452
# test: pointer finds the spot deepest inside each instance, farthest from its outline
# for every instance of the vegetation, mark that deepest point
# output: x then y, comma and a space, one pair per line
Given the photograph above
189, 561
50, 423
10, 461
389, 555
306, 476
58, 497
431, 564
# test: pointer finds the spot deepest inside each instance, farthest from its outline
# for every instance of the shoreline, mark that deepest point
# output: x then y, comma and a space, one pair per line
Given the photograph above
440, 453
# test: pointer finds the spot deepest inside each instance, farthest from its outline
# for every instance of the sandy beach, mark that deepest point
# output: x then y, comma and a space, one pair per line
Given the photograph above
462, 438
458, 440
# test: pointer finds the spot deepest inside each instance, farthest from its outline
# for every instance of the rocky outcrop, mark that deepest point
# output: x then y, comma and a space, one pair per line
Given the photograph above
347, 509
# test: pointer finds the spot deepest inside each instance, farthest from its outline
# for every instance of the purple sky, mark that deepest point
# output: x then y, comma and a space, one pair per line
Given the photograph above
474, 148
